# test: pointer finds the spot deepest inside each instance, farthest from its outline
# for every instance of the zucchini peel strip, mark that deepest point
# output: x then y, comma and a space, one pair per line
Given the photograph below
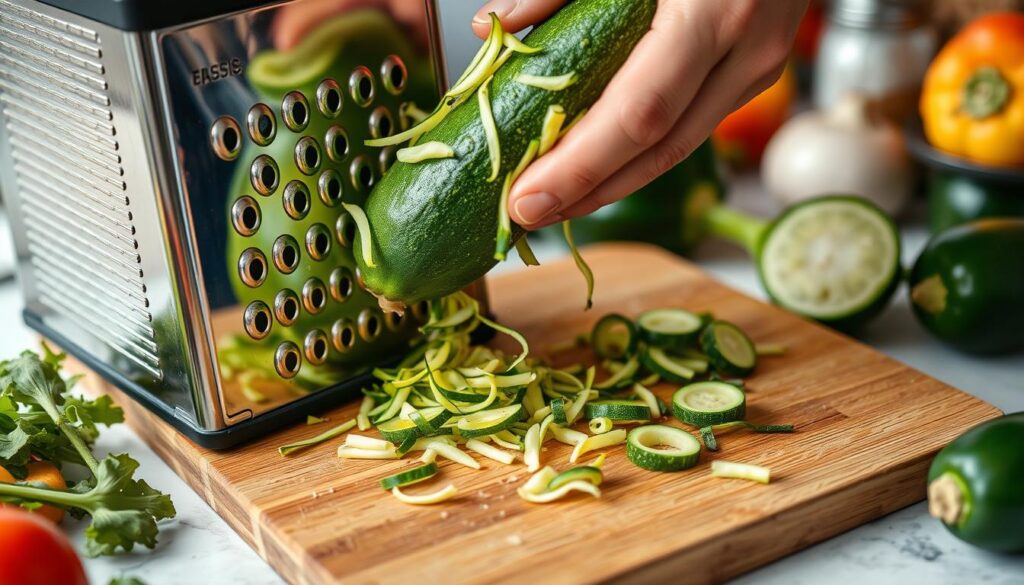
365, 239
446, 493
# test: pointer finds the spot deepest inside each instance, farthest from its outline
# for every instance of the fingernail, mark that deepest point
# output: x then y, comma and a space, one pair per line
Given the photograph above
535, 207
500, 7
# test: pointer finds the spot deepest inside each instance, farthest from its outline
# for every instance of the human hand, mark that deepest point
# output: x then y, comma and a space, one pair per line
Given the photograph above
701, 60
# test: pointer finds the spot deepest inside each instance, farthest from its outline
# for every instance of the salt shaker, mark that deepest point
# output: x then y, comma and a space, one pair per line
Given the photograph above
877, 48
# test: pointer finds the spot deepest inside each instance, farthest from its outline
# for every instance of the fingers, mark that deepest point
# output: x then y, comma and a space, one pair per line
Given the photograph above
639, 106
711, 105
515, 15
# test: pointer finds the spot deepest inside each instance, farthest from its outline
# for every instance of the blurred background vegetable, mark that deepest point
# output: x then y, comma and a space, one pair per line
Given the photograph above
34, 552
740, 139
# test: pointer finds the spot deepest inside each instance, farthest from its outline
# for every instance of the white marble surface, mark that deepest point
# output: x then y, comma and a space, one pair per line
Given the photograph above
907, 547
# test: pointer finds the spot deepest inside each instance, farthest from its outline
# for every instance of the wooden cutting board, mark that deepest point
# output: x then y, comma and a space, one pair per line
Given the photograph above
867, 427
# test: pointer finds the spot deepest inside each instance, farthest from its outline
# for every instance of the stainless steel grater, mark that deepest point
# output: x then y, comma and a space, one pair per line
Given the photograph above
175, 174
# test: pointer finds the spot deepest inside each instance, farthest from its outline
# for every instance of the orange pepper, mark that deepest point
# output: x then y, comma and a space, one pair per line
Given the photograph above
972, 102
46, 473
743, 135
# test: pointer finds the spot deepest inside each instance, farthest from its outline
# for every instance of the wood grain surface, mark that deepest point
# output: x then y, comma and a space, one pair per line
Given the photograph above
866, 429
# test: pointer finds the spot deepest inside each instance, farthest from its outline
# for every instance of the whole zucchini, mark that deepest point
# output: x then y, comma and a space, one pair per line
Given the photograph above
976, 485
967, 286
433, 224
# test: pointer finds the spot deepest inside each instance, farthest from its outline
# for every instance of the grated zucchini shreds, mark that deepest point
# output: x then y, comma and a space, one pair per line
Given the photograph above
511, 41
410, 111
322, 437
504, 238
729, 469
446, 493
371, 443
553, 121
613, 437
528, 157
490, 128
549, 83
550, 496
490, 452
357, 453
365, 239
532, 445
526, 252
480, 70
580, 263
314, 420
427, 151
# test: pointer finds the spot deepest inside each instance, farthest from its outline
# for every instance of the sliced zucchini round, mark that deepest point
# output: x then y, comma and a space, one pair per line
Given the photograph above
410, 476
585, 473
668, 367
832, 259
669, 328
618, 410
662, 448
729, 350
614, 337
709, 403
600, 425
488, 422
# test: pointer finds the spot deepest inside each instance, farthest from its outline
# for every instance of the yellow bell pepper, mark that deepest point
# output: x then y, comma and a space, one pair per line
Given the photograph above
972, 102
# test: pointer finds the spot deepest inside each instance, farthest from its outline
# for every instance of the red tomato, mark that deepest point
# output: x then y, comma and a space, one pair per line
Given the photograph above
742, 136
34, 552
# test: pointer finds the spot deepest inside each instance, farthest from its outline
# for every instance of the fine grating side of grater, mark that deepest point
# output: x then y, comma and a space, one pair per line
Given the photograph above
175, 177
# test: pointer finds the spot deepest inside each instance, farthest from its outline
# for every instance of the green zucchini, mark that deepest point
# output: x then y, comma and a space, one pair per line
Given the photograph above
967, 286
600, 425
672, 329
398, 429
976, 485
488, 422
432, 223
671, 368
614, 337
833, 259
558, 411
729, 350
957, 197
662, 448
709, 403
618, 410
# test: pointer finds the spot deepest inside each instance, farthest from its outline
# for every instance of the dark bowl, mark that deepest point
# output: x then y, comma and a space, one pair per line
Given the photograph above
960, 190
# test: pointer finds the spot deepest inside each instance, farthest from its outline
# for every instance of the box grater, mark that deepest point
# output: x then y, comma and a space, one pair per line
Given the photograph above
174, 173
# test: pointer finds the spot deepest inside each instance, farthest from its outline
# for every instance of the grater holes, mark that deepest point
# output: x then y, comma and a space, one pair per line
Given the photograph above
252, 267
287, 360
336, 143
343, 335
329, 188
261, 124
394, 74
369, 325
361, 86
245, 216
328, 98
226, 138
421, 311
388, 156
286, 307
345, 229
318, 241
394, 321
264, 175
361, 173
257, 320
316, 346
341, 284
381, 123
286, 254
314, 296
296, 200
295, 111
307, 155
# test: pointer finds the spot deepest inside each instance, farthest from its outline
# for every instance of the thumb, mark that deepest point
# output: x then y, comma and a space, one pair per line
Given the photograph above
515, 15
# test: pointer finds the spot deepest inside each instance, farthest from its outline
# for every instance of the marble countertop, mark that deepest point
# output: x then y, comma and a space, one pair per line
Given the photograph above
906, 547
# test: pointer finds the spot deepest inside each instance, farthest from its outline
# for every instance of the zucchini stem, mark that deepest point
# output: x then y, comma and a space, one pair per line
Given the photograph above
740, 228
